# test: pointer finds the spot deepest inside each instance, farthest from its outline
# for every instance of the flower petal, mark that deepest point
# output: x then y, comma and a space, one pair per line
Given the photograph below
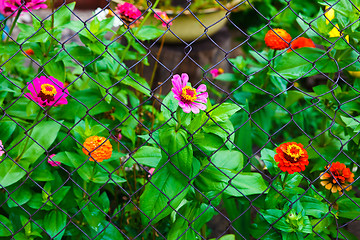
185, 79
201, 88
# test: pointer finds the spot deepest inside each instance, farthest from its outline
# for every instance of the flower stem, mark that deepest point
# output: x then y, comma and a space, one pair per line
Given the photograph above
133, 39
27, 140
284, 180
13, 25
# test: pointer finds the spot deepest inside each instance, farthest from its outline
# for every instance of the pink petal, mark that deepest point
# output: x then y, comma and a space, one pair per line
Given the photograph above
185, 79
201, 88
200, 106
176, 81
194, 109
186, 108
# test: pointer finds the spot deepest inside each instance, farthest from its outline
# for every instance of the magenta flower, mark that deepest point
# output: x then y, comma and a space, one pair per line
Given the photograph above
216, 72
127, 12
1, 149
190, 100
8, 7
47, 91
163, 17
52, 162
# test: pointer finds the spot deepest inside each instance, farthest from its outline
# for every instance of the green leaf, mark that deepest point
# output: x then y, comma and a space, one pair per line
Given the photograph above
54, 224
135, 81
273, 215
170, 190
348, 208
4, 231
56, 69
232, 160
227, 181
92, 214
110, 232
191, 212
62, 15
267, 156
148, 32
227, 77
149, 156
226, 237
11, 172
21, 196
44, 134
222, 112
314, 207
177, 149
7, 128
169, 105
292, 66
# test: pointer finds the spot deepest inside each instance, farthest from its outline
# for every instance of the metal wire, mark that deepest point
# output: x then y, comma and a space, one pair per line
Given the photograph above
228, 95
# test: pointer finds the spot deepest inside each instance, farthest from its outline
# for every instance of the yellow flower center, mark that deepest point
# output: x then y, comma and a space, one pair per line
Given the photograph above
48, 89
294, 151
221, 71
188, 94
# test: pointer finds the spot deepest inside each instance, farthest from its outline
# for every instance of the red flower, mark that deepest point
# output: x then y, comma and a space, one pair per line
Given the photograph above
277, 39
300, 43
337, 178
292, 157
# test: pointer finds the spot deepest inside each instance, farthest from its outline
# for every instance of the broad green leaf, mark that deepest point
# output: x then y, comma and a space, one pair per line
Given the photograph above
170, 190
226, 237
7, 128
148, 32
276, 215
177, 149
92, 214
62, 15
135, 81
149, 156
191, 212
44, 133
21, 196
55, 69
267, 156
5, 226
292, 66
222, 112
232, 160
110, 232
11, 172
348, 208
227, 181
54, 224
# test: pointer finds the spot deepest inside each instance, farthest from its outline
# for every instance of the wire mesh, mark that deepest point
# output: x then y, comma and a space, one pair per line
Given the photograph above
58, 182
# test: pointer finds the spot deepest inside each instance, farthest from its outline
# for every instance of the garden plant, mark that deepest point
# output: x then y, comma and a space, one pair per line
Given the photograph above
93, 147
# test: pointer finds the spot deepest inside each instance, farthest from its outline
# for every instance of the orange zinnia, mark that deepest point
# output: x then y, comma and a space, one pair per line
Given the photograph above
277, 39
337, 178
98, 148
292, 157
300, 43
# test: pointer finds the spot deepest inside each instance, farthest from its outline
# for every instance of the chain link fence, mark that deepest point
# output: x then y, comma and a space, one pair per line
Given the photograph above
180, 120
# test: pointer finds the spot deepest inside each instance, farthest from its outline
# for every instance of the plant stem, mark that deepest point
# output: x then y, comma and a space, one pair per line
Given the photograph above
27, 140
156, 62
284, 180
133, 39
13, 25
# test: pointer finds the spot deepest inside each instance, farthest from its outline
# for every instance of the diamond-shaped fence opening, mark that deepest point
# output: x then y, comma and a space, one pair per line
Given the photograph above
207, 119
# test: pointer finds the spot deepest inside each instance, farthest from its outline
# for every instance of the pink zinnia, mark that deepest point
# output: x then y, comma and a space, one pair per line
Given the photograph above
216, 72
8, 7
47, 91
52, 162
163, 17
1, 149
127, 12
189, 98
